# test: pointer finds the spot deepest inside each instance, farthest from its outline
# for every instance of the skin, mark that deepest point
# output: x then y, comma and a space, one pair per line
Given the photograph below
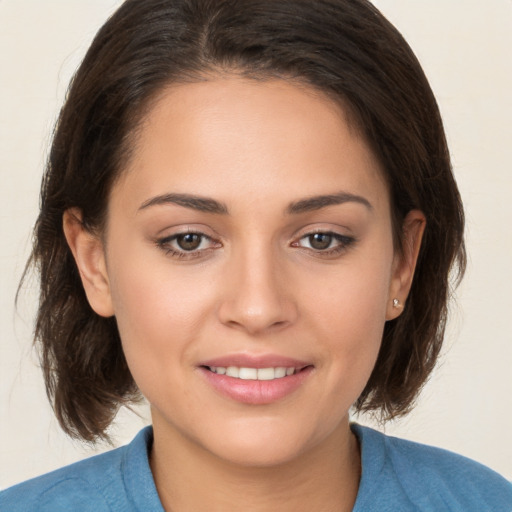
255, 285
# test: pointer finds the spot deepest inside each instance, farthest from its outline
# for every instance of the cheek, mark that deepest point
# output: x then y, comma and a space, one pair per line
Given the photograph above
356, 294
159, 312
347, 313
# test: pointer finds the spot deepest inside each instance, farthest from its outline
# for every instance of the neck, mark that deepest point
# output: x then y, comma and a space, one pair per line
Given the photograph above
187, 477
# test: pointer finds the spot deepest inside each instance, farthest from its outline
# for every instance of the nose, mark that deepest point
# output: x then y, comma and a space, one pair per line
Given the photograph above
258, 297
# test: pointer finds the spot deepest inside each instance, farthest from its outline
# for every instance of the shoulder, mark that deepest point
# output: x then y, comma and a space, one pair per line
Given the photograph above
68, 488
96, 484
430, 478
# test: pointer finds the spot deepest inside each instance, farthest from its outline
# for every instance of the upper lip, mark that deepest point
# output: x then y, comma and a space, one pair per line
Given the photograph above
255, 361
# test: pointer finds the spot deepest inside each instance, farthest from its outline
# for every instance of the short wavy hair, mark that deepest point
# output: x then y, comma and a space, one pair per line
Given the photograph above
344, 48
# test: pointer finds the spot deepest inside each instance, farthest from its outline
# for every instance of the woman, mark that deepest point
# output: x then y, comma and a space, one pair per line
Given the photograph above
249, 218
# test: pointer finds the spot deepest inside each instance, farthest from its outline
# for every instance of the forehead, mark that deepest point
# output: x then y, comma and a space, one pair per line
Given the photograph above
238, 138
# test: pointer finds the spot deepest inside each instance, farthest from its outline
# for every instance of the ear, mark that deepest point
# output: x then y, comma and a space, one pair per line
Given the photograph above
404, 264
89, 254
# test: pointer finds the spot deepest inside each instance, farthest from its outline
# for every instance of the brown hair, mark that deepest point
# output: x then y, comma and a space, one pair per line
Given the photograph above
344, 48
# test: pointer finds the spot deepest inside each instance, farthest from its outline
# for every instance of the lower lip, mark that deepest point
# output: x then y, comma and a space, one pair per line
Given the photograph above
256, 392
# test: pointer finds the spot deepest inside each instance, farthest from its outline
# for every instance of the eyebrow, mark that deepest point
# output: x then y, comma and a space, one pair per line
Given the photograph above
318, 202
208, 205
202, 204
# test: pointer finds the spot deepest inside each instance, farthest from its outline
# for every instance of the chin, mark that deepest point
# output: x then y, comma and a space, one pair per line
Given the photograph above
264, 443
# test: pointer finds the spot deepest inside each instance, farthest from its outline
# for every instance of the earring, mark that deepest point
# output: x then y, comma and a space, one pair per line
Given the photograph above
396, 303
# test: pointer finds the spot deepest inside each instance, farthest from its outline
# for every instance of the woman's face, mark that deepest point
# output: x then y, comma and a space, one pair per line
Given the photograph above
249, 263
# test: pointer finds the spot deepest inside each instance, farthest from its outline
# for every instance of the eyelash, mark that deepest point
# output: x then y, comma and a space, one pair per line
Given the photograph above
165, 245
343, 243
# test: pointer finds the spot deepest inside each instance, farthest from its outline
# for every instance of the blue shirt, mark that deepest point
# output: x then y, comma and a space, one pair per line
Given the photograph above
397, 476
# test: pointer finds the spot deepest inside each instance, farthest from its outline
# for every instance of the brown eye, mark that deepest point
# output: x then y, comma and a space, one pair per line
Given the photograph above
188, 246
320, 241
325, 243
189, 241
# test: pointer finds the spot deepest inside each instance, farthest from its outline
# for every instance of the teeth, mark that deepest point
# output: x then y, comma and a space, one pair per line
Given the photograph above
248, 373
233, 371
279, 373
266, 374
253, 373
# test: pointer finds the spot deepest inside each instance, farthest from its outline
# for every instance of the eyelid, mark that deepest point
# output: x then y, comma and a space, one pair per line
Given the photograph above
164, 243
345, 242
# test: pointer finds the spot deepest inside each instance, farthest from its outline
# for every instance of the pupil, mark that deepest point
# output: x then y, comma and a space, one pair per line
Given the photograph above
189, 241
320, 241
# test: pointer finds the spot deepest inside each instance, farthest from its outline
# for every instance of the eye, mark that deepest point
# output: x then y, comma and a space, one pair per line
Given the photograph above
187, 245
320, 241
324, 242
189, 241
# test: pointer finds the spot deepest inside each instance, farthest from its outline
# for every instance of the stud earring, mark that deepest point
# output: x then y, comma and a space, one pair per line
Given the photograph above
396, 303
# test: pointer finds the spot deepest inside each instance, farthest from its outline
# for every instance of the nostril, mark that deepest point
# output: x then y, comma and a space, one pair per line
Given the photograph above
255, 320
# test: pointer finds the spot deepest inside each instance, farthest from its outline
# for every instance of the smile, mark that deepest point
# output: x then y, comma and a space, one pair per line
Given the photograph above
257, 383
245, 373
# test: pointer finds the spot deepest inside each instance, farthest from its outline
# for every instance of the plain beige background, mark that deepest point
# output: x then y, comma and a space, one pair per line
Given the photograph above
464, 46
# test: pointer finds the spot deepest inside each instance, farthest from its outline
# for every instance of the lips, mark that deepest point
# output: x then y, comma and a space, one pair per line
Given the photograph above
255, 361
255, 380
